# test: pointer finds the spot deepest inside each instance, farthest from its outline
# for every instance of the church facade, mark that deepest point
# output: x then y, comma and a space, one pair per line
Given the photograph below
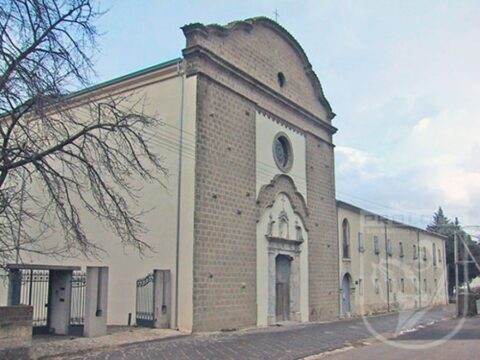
247, 223
265, 213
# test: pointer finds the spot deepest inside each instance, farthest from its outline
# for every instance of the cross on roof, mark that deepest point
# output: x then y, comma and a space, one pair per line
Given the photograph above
276, 15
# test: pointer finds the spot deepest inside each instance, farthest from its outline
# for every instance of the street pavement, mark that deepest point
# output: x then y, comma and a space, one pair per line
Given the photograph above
423, 344
284, 342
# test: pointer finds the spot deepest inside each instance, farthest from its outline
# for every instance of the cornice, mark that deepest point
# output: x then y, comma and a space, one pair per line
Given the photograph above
247, 25
200, 51
385, 220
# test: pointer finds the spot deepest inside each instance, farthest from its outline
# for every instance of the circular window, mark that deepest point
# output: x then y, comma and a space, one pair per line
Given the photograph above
282, 152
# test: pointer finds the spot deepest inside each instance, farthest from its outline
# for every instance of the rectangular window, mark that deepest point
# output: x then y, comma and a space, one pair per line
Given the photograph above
389, 247
346, 239
424, 249
402, 285
361, 243
390, 285
401, 249
376, 245
377, 287
360, 287
415, 252
439, 256
425, 285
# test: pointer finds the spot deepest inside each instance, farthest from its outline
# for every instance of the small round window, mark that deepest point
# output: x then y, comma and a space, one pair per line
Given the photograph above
282, 152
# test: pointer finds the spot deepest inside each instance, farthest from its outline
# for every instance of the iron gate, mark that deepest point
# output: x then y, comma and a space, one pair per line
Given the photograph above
77, 302
34, 291
145, 304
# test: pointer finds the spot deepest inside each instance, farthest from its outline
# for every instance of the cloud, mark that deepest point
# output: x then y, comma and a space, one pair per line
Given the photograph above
422, 125
354, 160
435, 164
414, 119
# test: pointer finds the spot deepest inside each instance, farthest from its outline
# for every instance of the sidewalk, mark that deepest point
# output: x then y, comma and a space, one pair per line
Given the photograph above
56, 346
283, 342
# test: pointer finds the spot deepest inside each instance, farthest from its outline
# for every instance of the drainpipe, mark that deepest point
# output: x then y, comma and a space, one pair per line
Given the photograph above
445, 272
419, 272
386, 258
179, 190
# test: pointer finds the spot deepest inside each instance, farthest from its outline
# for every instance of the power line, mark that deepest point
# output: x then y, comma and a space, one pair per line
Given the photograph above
168, 140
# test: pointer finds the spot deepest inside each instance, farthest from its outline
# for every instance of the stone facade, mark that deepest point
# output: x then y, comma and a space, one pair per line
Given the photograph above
323, 259
238, 68
224, 247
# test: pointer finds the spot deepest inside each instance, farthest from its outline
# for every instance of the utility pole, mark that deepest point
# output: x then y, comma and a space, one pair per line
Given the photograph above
466, 263
464, 259
276, 15
419, 284
455, 252
386, 262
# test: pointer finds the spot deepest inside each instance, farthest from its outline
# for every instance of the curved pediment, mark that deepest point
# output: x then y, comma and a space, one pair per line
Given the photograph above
263, 49
282, 184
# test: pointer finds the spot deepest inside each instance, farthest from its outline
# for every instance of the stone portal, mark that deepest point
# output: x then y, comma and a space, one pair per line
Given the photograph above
282, 264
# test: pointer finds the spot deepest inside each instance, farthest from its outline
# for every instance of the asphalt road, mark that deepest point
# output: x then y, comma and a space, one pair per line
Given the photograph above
427, 343
289, 342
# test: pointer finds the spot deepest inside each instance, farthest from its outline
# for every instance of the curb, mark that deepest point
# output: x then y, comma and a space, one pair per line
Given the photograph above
98, 349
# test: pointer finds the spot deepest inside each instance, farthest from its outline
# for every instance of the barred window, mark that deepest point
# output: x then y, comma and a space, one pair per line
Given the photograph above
346, 239
361, 242
376, 245
389, 247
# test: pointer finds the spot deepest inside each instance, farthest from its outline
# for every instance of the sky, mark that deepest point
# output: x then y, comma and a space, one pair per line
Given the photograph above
403, 78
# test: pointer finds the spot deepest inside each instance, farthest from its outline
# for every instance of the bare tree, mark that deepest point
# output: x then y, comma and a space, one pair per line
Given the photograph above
63, 155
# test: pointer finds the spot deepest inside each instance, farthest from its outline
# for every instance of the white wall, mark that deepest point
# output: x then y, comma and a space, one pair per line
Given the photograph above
187, 208
168, 96
266, 129
369, 266
266, 170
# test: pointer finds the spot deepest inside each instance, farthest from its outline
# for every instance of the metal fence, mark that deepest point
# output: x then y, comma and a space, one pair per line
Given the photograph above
145, 304
34, 292
77, 300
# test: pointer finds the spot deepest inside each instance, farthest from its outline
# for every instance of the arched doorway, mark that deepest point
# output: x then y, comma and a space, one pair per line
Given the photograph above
346, 305
282, 287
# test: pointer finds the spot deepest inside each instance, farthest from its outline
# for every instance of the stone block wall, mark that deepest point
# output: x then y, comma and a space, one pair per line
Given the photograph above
15, 331
224, 295
322, 237
261, 49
